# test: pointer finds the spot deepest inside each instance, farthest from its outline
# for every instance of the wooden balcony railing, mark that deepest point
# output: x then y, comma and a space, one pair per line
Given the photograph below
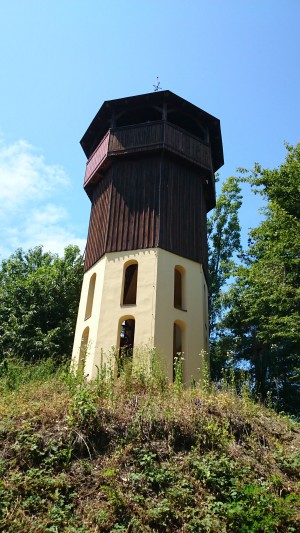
148, 137
96, 159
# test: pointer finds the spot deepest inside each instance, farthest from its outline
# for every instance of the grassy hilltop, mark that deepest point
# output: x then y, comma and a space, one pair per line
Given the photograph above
140, 455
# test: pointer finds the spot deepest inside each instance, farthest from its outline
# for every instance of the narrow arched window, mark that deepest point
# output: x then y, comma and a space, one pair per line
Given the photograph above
90, 298
179, 288
178, 348
83, 349
126, 342
130, 283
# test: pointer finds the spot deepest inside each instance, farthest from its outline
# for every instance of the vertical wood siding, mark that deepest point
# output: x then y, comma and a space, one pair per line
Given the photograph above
96, 241
134, 213
183, 212
146, 203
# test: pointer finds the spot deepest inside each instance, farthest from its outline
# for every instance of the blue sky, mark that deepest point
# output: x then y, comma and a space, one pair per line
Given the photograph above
60, 59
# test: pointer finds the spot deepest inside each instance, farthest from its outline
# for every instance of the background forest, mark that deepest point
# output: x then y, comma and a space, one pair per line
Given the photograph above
254, 292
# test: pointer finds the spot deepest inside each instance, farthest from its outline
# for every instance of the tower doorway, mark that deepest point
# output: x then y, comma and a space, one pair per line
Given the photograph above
83, 349
126, 343
178, 350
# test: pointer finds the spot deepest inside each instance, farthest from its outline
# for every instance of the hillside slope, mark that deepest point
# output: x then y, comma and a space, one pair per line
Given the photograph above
141, 456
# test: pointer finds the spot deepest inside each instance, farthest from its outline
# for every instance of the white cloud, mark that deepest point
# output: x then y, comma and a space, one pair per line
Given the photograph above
29, 214
25, 177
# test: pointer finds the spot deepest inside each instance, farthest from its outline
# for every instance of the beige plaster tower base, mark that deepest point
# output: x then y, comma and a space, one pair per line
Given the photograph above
160, 295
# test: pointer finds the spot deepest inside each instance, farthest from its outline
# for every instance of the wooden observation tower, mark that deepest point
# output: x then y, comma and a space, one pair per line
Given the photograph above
150, 179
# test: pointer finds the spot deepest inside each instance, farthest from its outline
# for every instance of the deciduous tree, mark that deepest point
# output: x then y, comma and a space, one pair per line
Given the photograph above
223, 230
39, 295
264, 302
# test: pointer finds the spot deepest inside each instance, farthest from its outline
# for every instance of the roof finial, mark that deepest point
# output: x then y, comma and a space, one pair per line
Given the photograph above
157, 87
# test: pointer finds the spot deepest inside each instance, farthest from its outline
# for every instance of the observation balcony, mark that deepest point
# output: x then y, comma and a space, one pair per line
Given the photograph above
144, 138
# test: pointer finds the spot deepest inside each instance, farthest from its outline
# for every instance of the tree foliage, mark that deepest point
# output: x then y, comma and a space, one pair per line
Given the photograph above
39, 295
264, 302
223, 231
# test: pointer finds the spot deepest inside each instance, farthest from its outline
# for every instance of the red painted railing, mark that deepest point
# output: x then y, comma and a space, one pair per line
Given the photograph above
96, 158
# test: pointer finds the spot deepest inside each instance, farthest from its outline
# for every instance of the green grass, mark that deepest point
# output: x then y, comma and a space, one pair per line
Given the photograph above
141, 455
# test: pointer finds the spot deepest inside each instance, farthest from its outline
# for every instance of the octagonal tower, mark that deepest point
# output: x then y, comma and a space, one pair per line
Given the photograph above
150, 179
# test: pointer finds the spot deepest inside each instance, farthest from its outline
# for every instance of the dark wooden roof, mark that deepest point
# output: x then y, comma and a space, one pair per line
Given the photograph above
152, 107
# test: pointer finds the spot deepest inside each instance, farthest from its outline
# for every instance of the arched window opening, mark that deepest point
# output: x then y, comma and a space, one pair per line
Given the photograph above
178, 350
130, 284
83, 349
126, 343
90, 298
179, 288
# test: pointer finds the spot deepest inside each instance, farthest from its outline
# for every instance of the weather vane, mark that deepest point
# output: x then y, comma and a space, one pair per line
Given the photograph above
157, 87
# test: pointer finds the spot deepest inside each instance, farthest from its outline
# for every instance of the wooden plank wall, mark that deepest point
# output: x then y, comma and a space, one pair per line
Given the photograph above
96, 241
183, 212
146, 203
126, 218
134, 213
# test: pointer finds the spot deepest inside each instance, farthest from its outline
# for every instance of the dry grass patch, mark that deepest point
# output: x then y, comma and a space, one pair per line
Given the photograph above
142, 455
